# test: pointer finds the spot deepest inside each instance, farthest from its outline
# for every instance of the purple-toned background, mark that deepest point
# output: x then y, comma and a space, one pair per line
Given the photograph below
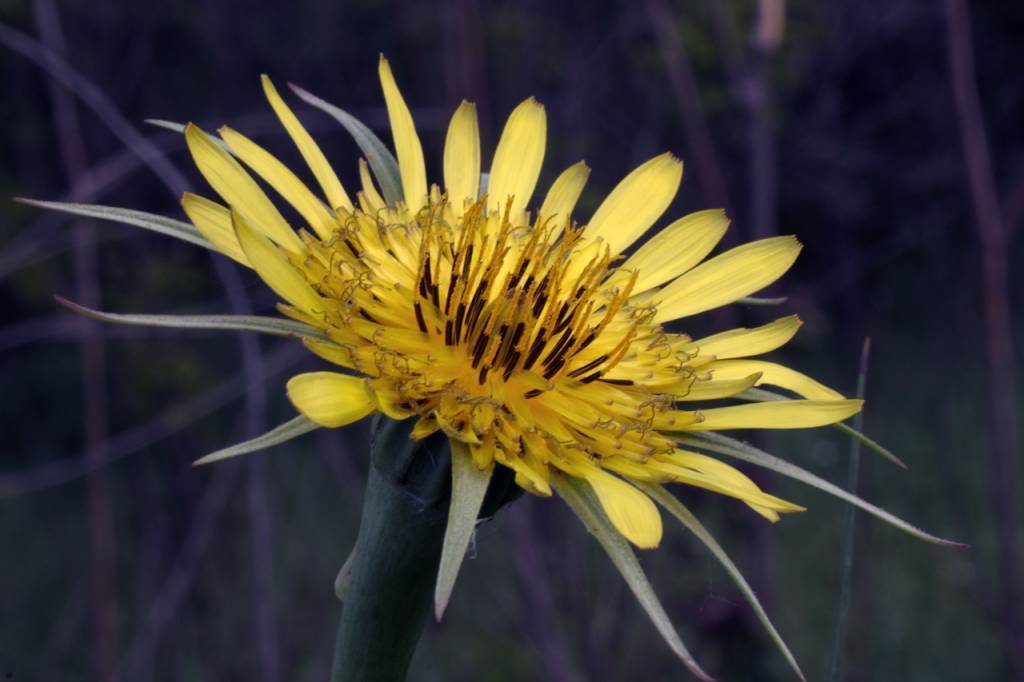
887, 136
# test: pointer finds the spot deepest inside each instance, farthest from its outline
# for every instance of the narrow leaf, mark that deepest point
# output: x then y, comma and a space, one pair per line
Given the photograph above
469, 485
761, 395
176, 127
283, 433
242, 323
156, 223
344, 576
581, 499
380, 158
751, 300
663, 497
731, 447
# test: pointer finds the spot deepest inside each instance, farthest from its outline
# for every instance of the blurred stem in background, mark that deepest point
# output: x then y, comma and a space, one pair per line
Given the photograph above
836, 672
995, 293
103, 546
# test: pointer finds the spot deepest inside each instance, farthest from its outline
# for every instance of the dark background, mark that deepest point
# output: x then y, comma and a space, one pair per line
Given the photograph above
887, 136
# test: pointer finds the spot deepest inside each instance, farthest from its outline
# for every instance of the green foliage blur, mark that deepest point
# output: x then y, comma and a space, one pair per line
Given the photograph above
226, 572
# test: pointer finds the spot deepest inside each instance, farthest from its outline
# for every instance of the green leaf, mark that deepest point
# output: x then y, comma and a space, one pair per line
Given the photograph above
344, 576
243, 323
382, 161
281, 434
176, 127
156, 223
731, 447
751, 300
581, 499
469, 485
761, 395
663, 497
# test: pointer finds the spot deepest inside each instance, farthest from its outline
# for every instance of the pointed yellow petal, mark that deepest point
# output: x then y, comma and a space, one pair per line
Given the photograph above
709, 473
214, 221
330, 399
631, 512
743, 342
562, 196
407, 142
281, 178
518, 158
371, 196
779, 414
636, 202
462, 158
315, 159
274, 267
238, 189
725, 387
677, 248
734, 274
774, 375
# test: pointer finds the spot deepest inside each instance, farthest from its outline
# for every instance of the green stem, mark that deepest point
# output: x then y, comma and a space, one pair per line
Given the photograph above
392, 582
395, 560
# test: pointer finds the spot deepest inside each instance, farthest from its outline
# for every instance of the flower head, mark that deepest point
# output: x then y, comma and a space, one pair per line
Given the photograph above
515, 328
519, 330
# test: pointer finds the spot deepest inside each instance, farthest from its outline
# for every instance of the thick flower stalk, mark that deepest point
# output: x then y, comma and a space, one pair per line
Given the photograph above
522, 332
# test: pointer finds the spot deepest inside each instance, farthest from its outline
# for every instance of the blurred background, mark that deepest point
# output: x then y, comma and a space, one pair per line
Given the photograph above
887, 136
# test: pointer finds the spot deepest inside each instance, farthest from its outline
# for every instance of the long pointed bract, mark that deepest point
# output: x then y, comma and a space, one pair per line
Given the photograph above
663, 497
733, 448
274, 326
285, 432
469, 485
581, 499
150, 221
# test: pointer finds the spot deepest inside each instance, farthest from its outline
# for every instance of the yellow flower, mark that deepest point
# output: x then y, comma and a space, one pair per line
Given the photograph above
515, 329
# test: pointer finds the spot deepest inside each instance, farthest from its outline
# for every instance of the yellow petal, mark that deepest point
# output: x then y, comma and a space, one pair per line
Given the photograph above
462, 158
774, 375
407, 142
517, 159
330, 399
214, 221
743, 342
562, 196
636, 202
677, 248
723, 279
274, 267
779, 414
711, 474
370, 194
631, 512
726, 387
331, 352
315, 159
238, 189
281, 178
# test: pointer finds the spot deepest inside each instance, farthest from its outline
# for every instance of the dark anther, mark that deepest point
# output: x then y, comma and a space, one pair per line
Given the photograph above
460, 313
538, 346
478, 349
589, 366
419, 317
553, 369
